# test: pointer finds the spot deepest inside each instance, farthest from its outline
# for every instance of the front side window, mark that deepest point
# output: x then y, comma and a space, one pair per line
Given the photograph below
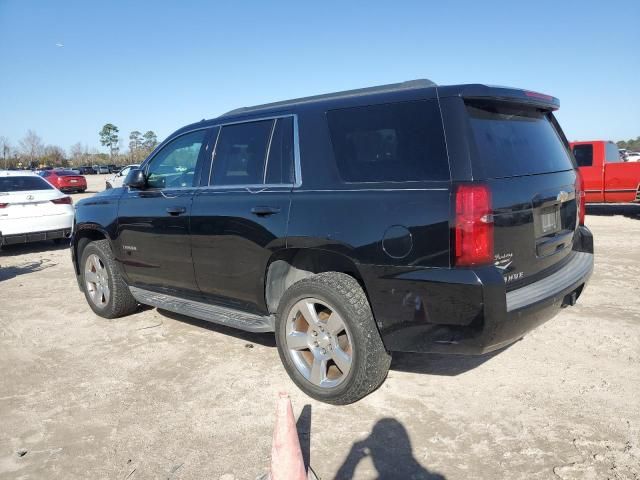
241, 152
395, 142
174, 166
583, 154
612, 154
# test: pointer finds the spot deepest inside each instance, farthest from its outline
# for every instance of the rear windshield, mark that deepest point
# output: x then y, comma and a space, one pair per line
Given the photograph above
23, 184
66, 173
516, 140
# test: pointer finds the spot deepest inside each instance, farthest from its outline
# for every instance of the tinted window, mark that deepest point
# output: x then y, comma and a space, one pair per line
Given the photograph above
22, 184
280, 161
65, 173
174, 166
514, 140
240, 154
394, 142
583, 154
612, 155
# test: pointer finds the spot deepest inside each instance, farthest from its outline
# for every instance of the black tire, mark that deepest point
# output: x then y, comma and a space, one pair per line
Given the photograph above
120, 302
369, 359
108, 186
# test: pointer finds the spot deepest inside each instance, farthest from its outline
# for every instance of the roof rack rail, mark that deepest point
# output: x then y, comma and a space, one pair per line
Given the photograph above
408, 85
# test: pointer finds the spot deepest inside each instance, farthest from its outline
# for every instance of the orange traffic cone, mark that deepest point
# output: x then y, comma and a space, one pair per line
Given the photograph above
286, 456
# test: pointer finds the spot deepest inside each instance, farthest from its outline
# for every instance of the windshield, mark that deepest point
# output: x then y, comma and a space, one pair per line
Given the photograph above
23, 184
65, 173
516, 140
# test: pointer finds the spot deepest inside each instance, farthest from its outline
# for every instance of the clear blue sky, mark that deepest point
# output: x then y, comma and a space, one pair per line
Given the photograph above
160, 65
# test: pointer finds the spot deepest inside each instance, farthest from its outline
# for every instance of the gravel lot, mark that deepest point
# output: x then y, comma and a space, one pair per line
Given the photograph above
156, 395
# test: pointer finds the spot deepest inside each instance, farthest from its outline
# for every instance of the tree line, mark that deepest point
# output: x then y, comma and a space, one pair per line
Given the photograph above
631, 145
31, 152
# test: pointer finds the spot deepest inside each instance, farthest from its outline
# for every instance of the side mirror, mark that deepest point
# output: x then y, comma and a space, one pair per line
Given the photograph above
135, 179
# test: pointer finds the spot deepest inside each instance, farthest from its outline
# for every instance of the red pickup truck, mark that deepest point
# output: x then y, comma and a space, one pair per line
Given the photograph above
606, 177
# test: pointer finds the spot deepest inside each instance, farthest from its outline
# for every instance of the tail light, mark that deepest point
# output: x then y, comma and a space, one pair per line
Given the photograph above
62, 201
580, 197
473, 231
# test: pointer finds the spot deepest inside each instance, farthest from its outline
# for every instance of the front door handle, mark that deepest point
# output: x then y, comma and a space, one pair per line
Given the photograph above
263, 210
175, 211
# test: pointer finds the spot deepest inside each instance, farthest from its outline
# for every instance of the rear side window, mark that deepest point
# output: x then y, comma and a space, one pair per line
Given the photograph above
394, 142
23, 184
240, 154
583, 154
516, 140
280, 161
612, 154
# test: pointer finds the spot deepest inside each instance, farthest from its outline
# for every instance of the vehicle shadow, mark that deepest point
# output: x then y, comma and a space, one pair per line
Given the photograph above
7, 273
439, 364
629, 210
389, 448
32, 247
264, 339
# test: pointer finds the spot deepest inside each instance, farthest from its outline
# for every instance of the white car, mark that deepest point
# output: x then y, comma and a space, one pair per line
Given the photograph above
31, 209
633, 156
116, 180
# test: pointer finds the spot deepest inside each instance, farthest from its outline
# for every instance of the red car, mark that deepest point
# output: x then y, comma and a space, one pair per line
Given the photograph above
606, 176
65, 180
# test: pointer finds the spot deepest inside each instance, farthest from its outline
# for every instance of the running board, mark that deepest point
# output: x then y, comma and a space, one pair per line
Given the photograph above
204, 311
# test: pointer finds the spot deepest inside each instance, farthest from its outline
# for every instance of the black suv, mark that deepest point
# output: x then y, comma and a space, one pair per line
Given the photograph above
407, 217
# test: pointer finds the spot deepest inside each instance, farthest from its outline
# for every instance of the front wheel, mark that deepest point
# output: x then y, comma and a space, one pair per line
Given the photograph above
328, 341
105, 290
108, 186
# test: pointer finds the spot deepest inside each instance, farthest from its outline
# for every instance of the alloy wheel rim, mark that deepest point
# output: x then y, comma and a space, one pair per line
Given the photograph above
319, 343
97, 281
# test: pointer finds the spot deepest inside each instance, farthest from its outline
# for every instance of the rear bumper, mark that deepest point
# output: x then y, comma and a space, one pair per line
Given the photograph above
42, 223
76, 187
469, 311
34, 236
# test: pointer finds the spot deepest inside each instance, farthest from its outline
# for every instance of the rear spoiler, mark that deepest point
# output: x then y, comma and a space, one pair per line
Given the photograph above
504, 94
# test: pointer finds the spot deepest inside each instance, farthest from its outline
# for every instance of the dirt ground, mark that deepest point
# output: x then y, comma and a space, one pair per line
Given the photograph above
156, 395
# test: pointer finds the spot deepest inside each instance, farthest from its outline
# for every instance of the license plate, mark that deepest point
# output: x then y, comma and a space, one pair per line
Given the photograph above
549, 221
73, 181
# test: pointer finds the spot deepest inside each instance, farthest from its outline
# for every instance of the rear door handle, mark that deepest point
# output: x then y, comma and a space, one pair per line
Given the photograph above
263, 210
175, 211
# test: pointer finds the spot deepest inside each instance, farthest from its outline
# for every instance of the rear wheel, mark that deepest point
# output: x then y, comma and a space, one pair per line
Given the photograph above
328, 341
105, 290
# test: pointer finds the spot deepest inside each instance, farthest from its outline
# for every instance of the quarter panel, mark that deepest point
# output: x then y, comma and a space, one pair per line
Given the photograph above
354, 223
